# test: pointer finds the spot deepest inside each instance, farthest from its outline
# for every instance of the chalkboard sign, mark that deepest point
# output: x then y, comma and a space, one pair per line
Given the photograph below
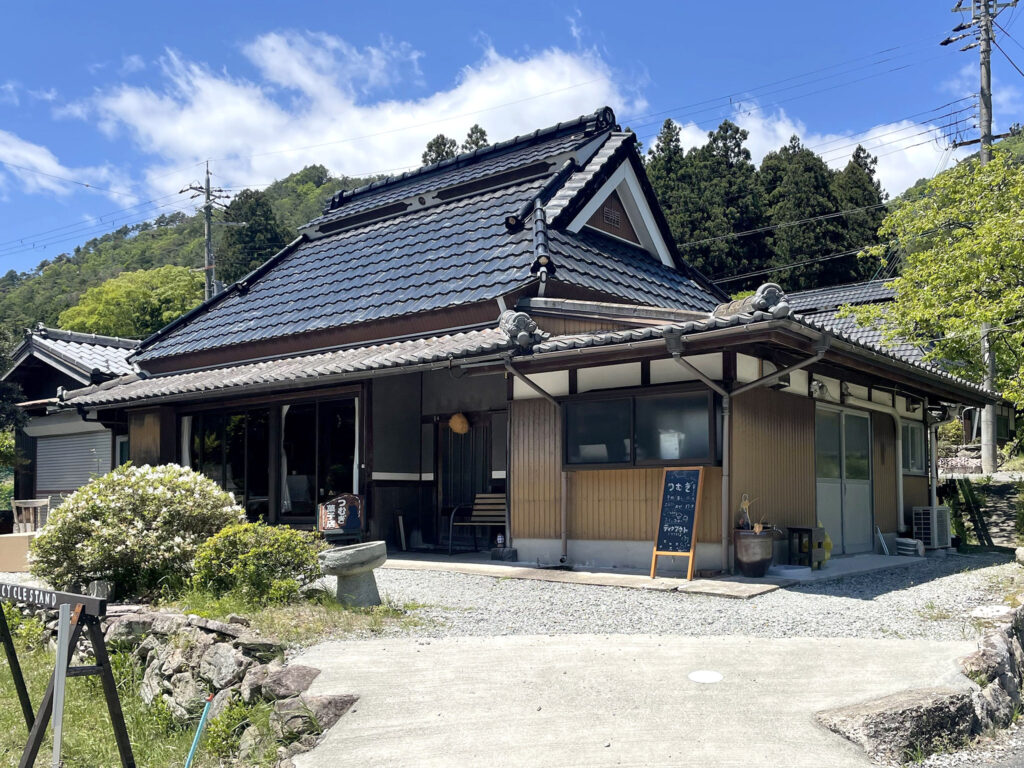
342, 516
677, 522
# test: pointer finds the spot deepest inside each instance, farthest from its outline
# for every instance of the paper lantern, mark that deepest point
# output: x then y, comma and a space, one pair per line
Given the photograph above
459, 424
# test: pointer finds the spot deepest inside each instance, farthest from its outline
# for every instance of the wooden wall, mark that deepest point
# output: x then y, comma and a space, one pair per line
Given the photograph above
884, 468
605, 504
773, 456
152, 437
562, 326
915, 493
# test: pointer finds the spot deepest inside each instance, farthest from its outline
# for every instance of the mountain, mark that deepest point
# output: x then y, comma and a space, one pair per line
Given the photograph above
40, 295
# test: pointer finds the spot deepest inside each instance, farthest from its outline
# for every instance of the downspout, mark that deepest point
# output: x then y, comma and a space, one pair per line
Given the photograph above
676, 347
564, 490
901, 524
952, 414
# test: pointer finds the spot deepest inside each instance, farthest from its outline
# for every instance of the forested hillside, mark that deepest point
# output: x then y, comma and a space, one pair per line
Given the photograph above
42, 294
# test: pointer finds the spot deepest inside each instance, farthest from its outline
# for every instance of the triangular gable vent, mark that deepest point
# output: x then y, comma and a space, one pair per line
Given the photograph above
619, 209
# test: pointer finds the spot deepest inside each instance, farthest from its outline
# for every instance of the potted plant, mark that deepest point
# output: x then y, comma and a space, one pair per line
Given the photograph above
754, 543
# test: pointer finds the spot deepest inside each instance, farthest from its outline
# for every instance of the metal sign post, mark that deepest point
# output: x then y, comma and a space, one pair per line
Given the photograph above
84, 615
60, 679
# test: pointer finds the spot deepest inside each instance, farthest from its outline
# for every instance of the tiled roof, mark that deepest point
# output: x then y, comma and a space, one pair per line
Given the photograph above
84, 352
443, 256
579, 180
363, 362
295, 371
589, 259
869, 336
833, 297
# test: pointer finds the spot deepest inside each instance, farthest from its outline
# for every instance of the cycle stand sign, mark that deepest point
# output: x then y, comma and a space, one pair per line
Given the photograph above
86, 613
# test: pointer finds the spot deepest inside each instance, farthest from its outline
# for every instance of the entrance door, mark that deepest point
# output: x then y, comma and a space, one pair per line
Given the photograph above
843, 467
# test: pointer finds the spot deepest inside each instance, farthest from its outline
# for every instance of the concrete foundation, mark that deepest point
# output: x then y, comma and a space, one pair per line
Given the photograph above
14, 552
631, 555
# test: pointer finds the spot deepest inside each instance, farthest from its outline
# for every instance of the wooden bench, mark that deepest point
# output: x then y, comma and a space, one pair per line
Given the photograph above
488, 509
30, 514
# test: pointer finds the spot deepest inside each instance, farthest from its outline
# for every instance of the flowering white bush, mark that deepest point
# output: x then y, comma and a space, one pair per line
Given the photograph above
138, 527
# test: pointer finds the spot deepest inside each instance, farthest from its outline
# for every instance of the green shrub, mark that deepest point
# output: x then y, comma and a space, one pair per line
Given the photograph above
138, 527
261, 563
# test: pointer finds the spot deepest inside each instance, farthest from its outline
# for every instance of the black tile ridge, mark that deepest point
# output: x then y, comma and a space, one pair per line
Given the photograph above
59, 334
241, 286
591, 185
600, 120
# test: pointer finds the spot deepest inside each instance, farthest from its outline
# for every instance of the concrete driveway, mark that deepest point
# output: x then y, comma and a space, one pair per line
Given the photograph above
584, 700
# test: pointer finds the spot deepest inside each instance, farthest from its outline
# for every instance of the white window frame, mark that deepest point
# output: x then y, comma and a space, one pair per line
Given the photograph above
914, 445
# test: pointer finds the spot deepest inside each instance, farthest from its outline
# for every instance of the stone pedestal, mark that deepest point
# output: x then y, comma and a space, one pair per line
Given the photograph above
353, 565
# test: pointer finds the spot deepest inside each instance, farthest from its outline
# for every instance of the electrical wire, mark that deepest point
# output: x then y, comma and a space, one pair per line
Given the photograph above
1012, 62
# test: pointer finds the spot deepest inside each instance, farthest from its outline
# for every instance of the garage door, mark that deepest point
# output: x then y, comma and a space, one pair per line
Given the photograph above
67, 462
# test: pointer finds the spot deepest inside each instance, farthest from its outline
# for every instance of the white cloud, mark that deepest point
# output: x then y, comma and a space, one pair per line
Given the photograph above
132, 63
317, 91
906, 151
1007, 99
50, 94
9, 93
35, 169
575, 20
75, 110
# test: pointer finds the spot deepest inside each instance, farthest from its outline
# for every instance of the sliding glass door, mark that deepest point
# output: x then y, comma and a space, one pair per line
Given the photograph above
843, 468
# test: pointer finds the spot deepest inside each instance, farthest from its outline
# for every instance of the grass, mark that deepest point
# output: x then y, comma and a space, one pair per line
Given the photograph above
317, 617
932, 612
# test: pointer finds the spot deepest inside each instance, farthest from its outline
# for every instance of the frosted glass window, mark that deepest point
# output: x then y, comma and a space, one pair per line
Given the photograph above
673, 428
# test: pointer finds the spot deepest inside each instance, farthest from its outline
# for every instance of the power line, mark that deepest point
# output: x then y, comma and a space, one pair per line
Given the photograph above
85, 184
1012, 62
784, 267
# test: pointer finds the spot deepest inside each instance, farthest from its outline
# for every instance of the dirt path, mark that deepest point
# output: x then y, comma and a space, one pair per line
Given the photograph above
1000, 510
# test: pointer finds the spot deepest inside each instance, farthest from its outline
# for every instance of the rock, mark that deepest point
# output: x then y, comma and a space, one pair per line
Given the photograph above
152, 684
222, 700
297, 717
220, 627
929, 719
251, 689
187, 693
222, 665
353, 565
128, 631
248, 743
234, 618
100, 588
146, 648
994, 614
167, 623
288, 682
1019, 555
262, 648
994, 707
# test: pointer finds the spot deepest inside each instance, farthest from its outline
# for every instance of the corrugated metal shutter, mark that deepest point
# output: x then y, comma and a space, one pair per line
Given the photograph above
67, 462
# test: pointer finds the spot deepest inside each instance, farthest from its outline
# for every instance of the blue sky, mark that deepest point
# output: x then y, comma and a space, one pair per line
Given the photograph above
134, 100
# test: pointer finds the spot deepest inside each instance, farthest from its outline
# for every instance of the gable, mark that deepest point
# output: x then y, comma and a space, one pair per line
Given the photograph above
612, 219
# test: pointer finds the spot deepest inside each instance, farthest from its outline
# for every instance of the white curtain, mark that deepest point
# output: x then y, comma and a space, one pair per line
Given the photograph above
286, 499
186, 441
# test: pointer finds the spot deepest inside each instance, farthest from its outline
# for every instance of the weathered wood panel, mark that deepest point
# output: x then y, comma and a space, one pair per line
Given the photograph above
773, 456
535, 466
915, 492
884, 471
561, 326
144, 437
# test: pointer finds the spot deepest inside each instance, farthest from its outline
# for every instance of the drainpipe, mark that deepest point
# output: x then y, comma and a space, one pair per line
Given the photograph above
952, 414
565, 483
675, 342
901, 524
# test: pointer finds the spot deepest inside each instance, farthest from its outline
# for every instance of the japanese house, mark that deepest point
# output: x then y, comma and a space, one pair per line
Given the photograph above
61, 451
530, 290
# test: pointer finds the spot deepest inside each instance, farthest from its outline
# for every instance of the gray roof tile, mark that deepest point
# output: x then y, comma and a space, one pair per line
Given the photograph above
84, 352
835, 296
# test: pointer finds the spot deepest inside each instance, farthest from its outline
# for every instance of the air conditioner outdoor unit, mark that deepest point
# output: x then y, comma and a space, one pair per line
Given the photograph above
931, 526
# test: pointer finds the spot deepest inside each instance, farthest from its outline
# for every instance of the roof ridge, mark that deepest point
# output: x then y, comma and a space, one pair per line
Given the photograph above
842, 286
597, 121
45, 332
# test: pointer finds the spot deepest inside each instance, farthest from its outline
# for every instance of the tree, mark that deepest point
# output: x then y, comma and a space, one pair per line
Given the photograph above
439, 148
135, 304
855, 187
10, 395
475, 139
796, 185
256, 236
961, 262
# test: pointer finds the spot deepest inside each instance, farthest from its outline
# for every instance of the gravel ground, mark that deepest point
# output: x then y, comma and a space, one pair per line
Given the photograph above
1004, 749
932, 601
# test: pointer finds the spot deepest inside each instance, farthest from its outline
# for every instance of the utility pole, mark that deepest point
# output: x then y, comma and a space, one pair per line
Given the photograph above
982, 13
210, 199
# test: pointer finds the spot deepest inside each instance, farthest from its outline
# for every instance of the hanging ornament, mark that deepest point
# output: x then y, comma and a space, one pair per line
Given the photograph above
458, 424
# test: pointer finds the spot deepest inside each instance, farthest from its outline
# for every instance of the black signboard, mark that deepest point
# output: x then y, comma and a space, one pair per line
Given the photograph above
677, 522
342, 516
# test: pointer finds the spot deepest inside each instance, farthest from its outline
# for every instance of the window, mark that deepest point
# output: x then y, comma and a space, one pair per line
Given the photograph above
232, 450
123, 452
913, 448
642, 430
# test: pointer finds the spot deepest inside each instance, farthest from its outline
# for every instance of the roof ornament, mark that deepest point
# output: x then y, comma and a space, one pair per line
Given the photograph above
768, 298
520, 328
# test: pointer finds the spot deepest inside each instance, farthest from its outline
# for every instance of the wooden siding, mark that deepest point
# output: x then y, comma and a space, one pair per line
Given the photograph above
773, 456
562, 326
535, 484
915, 492
144, 437
884, 468
606, 504
623, 504
616, 222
